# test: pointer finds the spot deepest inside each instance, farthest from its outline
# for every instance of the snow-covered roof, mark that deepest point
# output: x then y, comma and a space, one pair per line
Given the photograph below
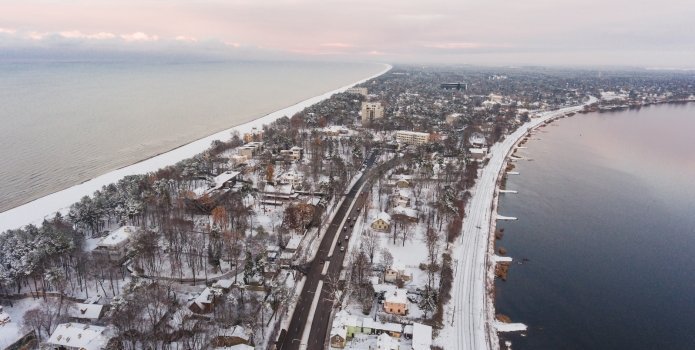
409, 212
237, 347
384, 216
422, 336
397, 296
235, 332
221, 179
368, 322
223, 283
86, 311
282, 189
294, 242
117, 237
386, 342
205, 297
475, 150
339, 330
345, 319
78, 335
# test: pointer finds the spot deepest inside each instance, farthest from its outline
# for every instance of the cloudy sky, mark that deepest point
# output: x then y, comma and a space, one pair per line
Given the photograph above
558, 32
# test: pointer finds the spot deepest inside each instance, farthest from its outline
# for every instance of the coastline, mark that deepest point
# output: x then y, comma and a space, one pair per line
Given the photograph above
35, 211
492, 324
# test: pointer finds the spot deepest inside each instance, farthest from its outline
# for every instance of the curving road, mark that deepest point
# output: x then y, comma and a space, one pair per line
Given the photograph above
473, 309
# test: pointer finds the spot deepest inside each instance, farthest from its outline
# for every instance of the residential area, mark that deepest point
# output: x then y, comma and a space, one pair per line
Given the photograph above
346, 213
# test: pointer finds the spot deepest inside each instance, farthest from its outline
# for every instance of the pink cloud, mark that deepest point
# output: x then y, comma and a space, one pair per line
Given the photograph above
139, 36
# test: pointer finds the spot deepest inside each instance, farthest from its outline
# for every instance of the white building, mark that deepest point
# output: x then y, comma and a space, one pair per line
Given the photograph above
293, 154
77, 336
412, 137
357, 90
371, 111
291, 178
116, 243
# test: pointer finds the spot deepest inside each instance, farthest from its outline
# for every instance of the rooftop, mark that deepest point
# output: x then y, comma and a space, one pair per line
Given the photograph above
78, 335
122, 234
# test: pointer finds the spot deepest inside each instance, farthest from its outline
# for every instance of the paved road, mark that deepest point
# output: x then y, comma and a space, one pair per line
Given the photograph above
472, 304
321, 321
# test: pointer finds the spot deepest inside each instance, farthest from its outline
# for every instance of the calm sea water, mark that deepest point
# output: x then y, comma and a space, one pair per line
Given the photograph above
64, 123
607, 220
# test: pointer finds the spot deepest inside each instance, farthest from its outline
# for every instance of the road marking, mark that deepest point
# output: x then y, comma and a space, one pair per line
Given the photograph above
325, 267
309, 320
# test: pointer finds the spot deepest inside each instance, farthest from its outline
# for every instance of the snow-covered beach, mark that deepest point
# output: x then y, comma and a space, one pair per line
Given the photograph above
35, 211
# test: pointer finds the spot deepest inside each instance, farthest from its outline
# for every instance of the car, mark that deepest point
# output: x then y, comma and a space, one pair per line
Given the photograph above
358, 209
339, 242
346, 238
344, 228
342, 249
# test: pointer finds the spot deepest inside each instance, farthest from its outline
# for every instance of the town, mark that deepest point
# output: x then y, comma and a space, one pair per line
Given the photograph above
337, 227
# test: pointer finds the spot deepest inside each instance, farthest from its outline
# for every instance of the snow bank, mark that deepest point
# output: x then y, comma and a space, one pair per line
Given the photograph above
510, 327
35, 211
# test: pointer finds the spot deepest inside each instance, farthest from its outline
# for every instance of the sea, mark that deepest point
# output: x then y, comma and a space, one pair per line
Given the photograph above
604, 244
62, 123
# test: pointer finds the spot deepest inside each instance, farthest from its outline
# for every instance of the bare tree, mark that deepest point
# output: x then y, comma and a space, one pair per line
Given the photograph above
370, 244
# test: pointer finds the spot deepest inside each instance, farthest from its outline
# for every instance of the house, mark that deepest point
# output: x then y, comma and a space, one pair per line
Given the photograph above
254, 135
396, 302
422, 337
278, 194
477, 140
293, 154
408, 214
272, 252
225, 285
250, 149
291, 250
477, 153
231, 337
382, 222
291, 178
115, 245
370, 326
412, 137
402, 197
237, 159
78, 336
86, 312
203, 303
226, 179
338, 337
350, 323
396, 272
386, 342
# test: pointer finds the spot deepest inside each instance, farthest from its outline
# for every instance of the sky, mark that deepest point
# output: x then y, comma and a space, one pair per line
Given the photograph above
643, 33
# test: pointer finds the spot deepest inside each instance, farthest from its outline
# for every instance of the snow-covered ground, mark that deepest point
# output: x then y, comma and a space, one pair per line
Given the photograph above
34, 212
469, 316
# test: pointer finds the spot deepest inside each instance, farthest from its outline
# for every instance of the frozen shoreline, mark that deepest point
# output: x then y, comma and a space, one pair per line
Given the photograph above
470, 315
35, 211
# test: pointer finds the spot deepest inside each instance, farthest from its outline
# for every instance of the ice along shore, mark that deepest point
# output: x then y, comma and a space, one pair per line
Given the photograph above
35, 211
470, 317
